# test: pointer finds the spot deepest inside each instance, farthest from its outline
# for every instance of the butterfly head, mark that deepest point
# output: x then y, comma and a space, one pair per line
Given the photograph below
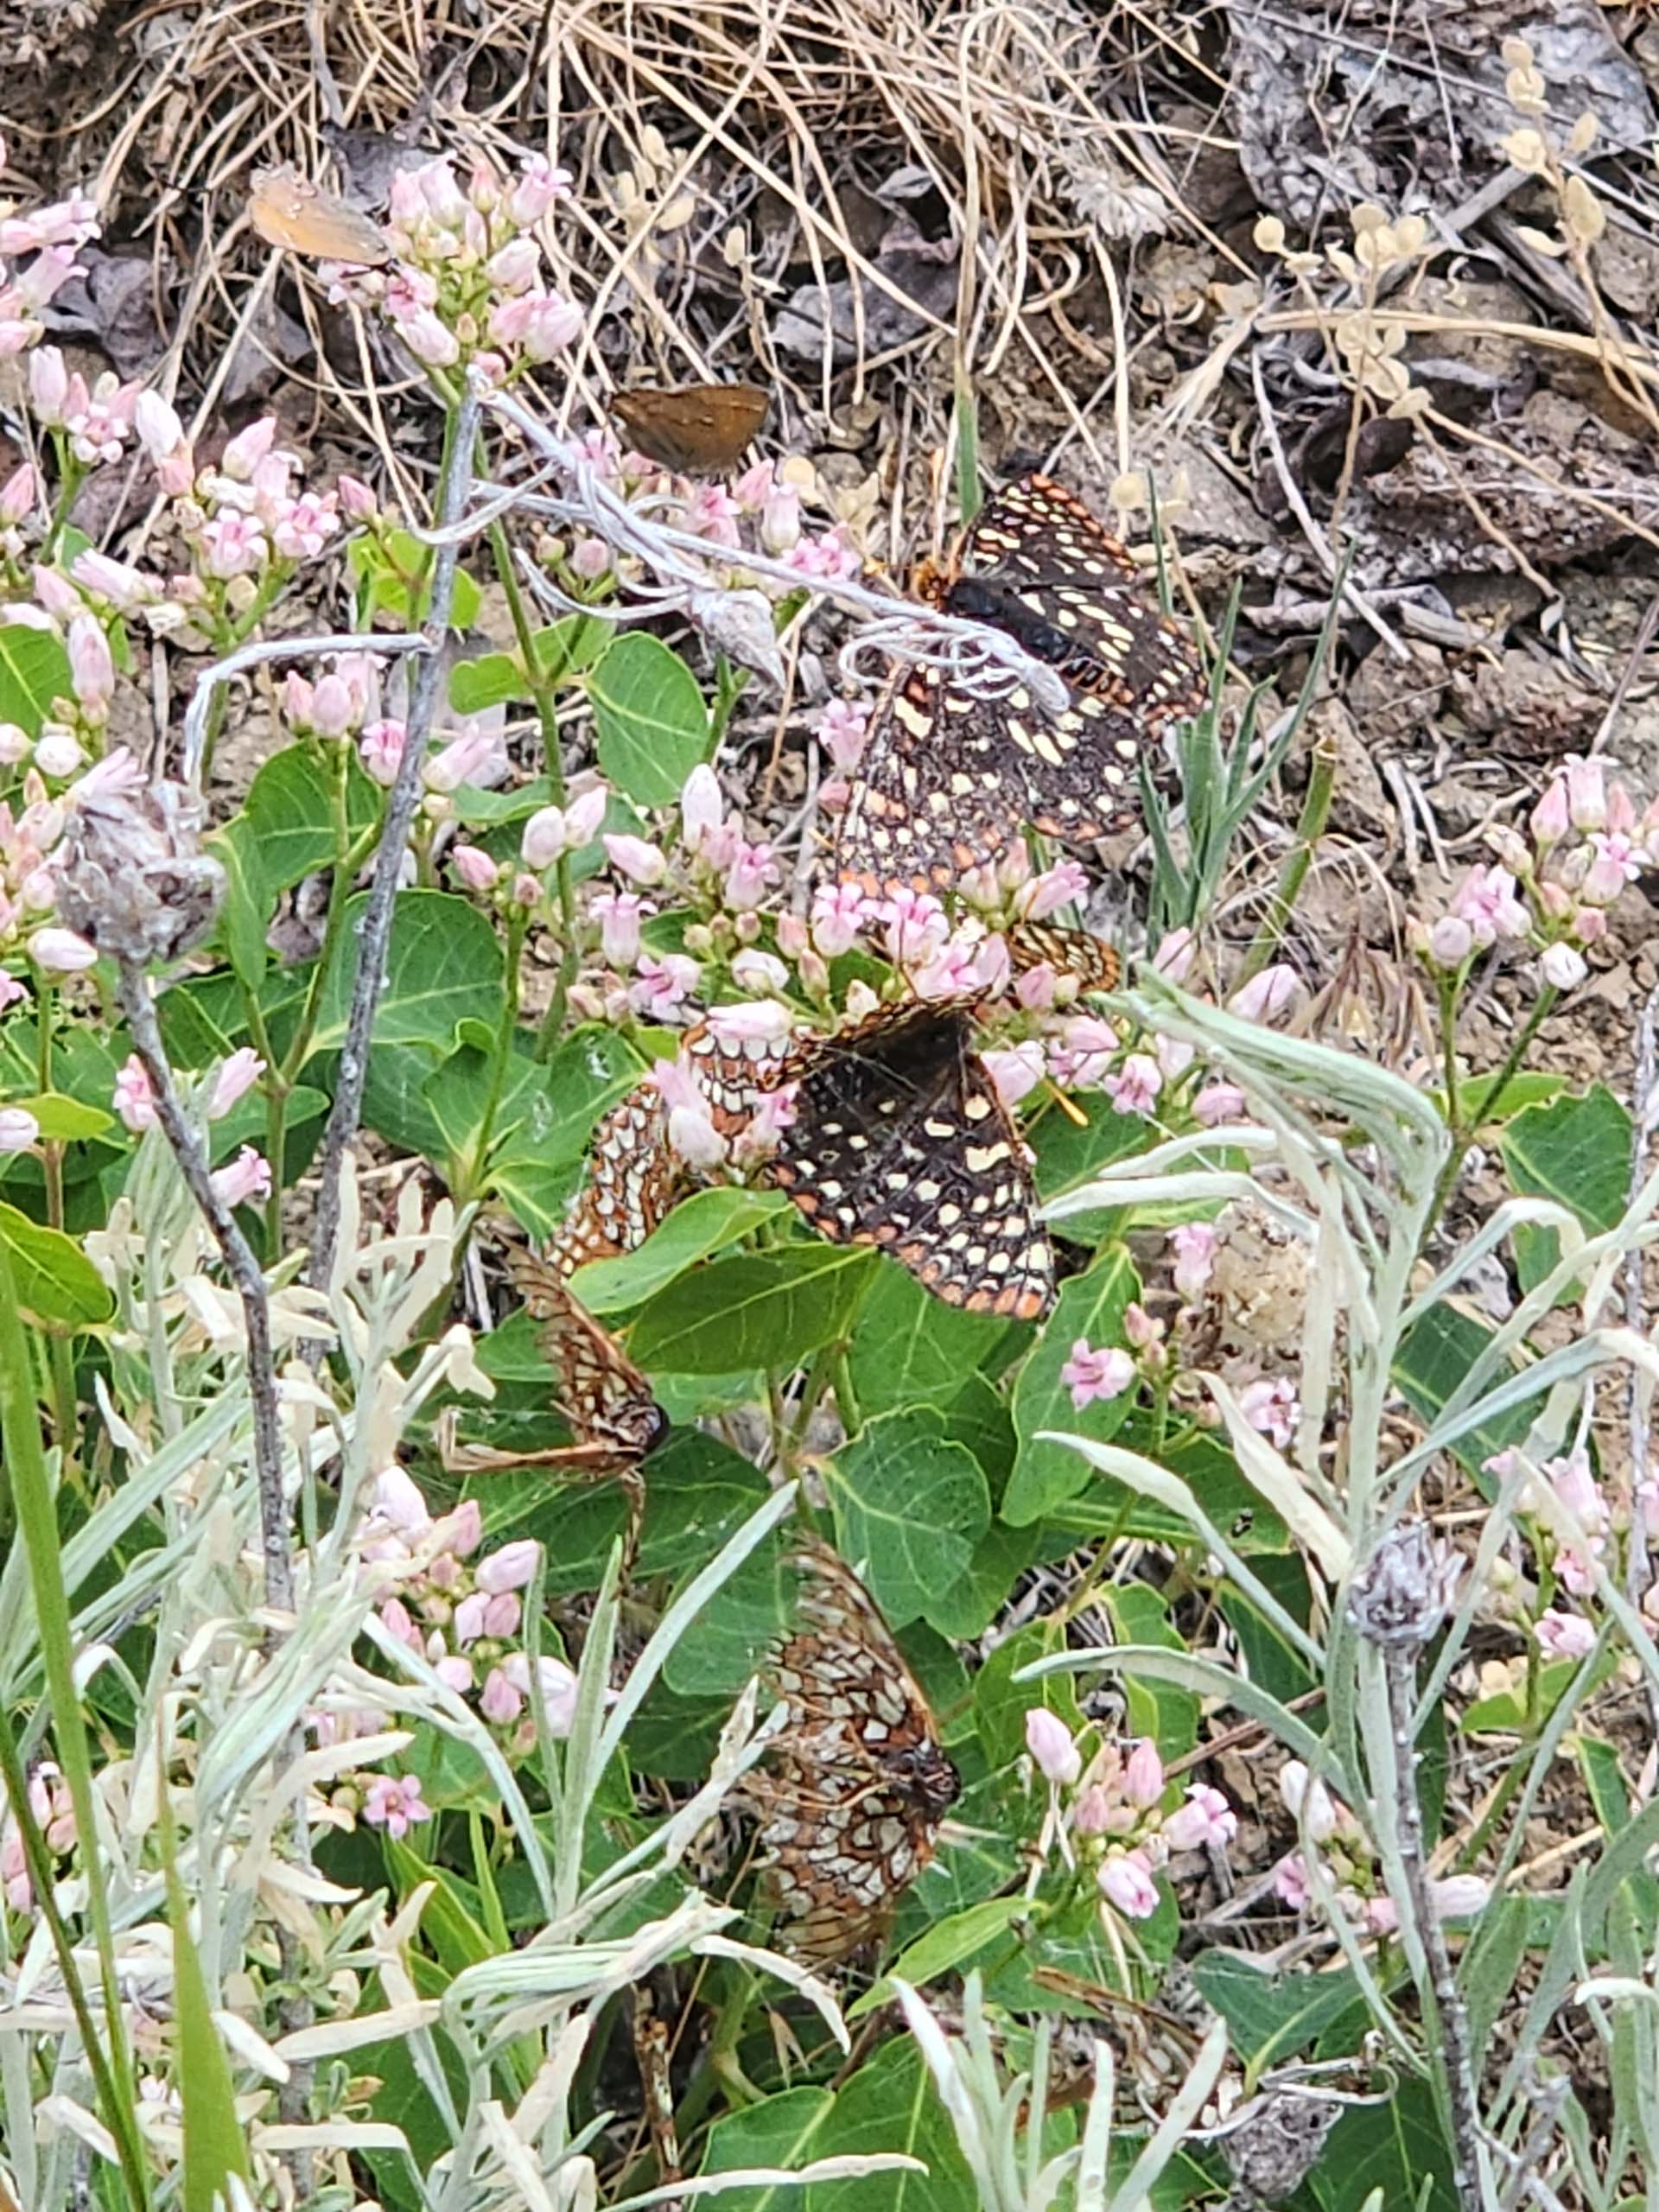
926, 1777
636, 1428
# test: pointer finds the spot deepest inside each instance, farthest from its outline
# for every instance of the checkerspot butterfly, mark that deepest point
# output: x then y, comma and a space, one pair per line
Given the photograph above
948, 776
899, 1140
614, 1421
855, 1788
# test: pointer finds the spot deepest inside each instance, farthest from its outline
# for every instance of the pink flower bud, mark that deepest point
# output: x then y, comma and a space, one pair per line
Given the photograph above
19, 495
1266, 996
1049, 1741
467, 1623
234, 1080
248, 449
458, 762
134, 1101
1451, 940
1092, 1813
1143, 1774
1089, 1373
558, 1688
1194, 1247
510, 1569
1551, 817
702, 810
1127, 1883
498, 1702
48, 386
381, 749
502, 1614
1218, 1103
333, 709
618, 914
247, 1178
643, 864
357, 500
1309, 1800
1586, 792
399, 1503
1206, 1819
474, 867
1014, 1070
60, 952
91, 670
1562, 967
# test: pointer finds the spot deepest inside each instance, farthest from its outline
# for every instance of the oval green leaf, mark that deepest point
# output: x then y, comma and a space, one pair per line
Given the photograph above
56, 1282
768, 1309
650, 722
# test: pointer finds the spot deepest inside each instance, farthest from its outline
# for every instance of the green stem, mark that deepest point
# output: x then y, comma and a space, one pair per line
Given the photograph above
37, 1524
852, 1418
1310, 828
1465, 1127
65, 1413
507, 1029
542, 690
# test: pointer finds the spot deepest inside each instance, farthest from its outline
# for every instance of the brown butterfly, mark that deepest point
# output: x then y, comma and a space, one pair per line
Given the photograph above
614, 1421
695, 429
856, 1788
288, 210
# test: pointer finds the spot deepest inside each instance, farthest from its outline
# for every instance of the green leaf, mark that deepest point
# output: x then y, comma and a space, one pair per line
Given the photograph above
964, 1612
910, 1507
780, 2130
444, 964
698, 1226
214, 2148
1000, 1703
1272, 2018
66, 1121
56, 1283
947, 1944
286, 830
245, 913
651, 727
1397, 2146
1069, 1154
891, 2105
562, 650
33, 671
1161, 1710
913, 1350
766, 1309
1433, 1358
399, 577
1090, 1307
1576, 1150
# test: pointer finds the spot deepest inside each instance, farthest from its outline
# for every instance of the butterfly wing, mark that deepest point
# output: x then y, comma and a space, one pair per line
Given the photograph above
899, 1140
854, 1794
696, 429
1038, 565
1084, 958
602, 1394
631, 1176
288, 210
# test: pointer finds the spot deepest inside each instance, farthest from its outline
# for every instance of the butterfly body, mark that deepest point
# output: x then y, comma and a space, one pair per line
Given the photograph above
857, 1786
695, 429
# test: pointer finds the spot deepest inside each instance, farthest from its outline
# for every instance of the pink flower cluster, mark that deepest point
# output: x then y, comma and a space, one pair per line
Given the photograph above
45, 243
462, 1616
1115, 1816
1346, 1859
29, 838
467, 283
1550, 889
55, 1815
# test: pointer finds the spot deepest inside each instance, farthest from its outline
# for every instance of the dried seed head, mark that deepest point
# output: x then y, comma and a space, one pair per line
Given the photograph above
1275, 2143
134, 880
1407, 1585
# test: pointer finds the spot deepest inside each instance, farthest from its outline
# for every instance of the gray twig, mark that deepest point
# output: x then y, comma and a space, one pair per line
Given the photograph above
375, 932
191, 1152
